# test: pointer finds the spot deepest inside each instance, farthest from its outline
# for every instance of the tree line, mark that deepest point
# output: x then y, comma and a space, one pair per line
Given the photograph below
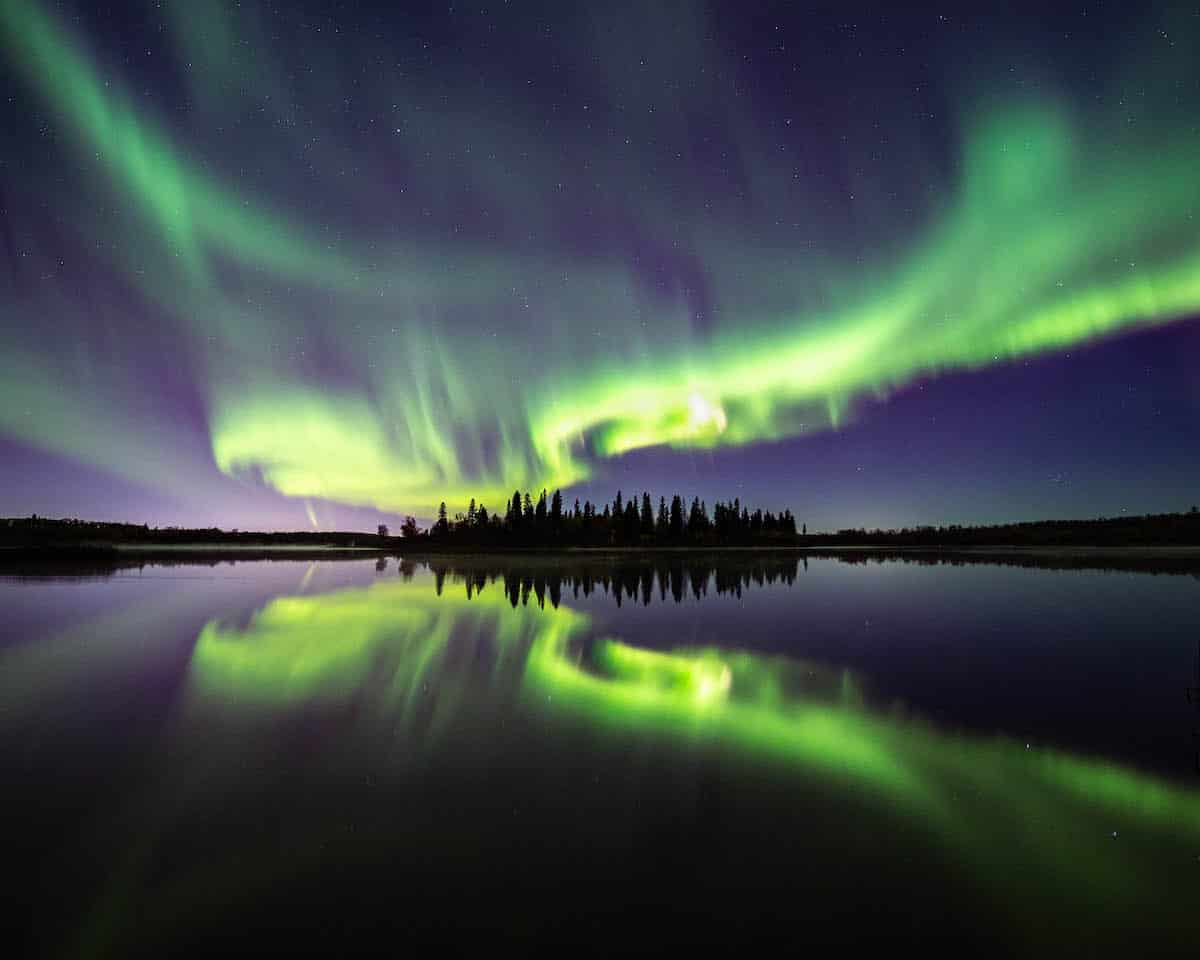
547, 521
1162, 529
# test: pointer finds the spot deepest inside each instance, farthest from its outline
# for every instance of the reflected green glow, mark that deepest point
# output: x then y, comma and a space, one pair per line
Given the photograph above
377, 647
713, 695
699, 679
386, 643
1056, 232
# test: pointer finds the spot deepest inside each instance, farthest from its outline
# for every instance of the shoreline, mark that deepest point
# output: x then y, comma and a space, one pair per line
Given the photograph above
107, 559
1177, 551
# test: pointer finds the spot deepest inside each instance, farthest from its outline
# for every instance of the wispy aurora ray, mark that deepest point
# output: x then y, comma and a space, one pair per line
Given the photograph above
377, 368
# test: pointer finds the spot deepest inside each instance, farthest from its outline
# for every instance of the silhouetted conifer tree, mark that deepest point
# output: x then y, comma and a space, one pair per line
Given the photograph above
556, 513
631, 521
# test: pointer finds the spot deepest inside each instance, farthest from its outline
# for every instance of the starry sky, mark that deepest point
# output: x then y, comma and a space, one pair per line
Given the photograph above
284, 265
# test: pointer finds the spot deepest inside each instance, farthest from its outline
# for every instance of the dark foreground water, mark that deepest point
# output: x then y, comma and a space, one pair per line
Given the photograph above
613, 755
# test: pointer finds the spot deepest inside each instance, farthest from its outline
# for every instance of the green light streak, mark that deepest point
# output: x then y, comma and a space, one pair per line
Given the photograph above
337, 448
1046, 247
194, 214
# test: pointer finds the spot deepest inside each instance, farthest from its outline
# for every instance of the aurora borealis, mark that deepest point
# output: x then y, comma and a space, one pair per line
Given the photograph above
279, 267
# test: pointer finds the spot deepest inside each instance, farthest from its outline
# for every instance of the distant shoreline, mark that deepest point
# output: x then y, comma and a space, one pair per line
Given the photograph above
425, 548
101, 560
396, 547
1158, 541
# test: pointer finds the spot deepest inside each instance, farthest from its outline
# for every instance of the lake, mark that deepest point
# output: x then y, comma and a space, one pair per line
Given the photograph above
614, 753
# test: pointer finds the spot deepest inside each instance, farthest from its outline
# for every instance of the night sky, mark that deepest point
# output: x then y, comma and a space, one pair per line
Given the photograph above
276, 265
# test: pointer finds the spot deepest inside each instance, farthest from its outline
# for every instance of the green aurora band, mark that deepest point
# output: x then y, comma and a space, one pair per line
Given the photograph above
378, 647
1059, 232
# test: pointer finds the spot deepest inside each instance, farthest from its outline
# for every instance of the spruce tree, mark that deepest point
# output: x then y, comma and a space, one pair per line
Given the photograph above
676, 517
556, 512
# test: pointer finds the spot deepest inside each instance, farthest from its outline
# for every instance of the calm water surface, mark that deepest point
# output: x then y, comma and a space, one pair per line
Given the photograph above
610, 754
